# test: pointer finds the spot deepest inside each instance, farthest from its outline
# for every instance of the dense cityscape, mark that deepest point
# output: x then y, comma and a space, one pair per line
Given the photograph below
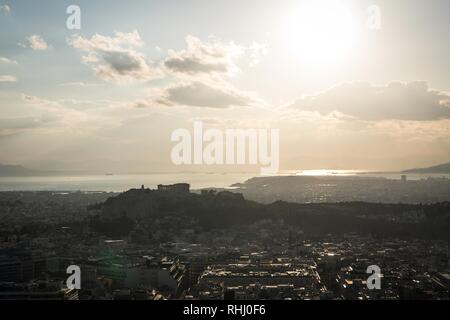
155, 250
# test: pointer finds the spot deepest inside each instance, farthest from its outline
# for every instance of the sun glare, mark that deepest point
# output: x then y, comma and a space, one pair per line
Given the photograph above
320, 32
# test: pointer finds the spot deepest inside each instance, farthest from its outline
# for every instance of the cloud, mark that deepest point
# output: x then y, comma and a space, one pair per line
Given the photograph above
202, 68
7, 61
79, 84
37, 100
36, 42
199, 94
75, 117
395, 101
257, 52
19, 124
115, 58
204, 58
7, 78
5, 9
46, 114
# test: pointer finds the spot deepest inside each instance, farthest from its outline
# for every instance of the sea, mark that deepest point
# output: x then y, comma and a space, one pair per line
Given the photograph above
123, 182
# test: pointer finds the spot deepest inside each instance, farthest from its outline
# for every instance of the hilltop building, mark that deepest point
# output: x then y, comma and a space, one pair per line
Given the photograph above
179, 187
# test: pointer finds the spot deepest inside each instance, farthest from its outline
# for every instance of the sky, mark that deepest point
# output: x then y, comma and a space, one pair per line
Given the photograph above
350, 84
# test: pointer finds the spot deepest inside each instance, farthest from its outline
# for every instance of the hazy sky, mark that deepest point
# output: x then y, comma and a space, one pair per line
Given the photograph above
107, 97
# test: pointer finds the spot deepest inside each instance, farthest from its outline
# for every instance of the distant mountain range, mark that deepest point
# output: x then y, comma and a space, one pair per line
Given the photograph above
16, 171
21, 171
442, 168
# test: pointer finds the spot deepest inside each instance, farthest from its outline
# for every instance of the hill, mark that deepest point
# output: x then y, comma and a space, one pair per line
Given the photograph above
441, 168
119, 215
16, 171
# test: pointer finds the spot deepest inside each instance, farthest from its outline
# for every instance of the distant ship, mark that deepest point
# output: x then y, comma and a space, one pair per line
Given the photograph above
109, 174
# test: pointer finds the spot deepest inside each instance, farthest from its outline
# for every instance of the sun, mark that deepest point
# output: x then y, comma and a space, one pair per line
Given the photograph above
320, 32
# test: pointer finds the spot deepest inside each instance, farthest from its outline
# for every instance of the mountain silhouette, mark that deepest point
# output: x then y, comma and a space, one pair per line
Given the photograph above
441, 168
